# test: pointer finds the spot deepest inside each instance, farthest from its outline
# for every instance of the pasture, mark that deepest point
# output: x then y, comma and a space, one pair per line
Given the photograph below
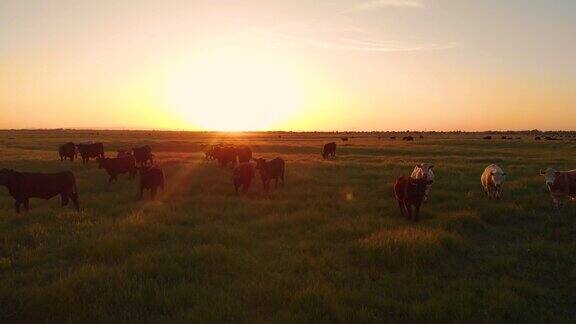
329, 246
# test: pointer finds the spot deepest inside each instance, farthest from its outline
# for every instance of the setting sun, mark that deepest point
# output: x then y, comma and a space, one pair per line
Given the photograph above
234, 93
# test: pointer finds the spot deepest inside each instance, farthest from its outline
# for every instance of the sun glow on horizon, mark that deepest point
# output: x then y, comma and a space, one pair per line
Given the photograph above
235, 92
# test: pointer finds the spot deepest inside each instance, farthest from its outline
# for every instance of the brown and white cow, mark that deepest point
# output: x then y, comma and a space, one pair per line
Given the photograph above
424, 171
492, 180
561, 184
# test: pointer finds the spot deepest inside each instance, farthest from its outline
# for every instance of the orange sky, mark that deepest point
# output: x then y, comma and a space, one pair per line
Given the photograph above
288, 65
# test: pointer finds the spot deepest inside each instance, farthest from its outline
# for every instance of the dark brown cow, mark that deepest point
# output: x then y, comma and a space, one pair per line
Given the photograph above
410, 192
344, 139
242, 176
392, 137
87, 151
244, 154
408, 138
225, 155
537, 138
329, 150
24, 185
67, 151
116, 166
151, 178
561, 184
487, 137
143, 155
273, 169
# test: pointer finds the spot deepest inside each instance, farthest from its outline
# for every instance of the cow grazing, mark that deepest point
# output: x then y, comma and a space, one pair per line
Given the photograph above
492, 181
421, 136
424, 171
269, 170
392, 137
23, 185
244, 154
208, 151
116, 166
67, 151
537, 138
410, 192
143, 155
561, 184
504, 137
344, 139
408, 138
329, 150
487, 137
242, 176
91, 150
151, 178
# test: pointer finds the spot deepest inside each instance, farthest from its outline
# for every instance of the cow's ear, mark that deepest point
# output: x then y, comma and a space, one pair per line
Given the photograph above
542, 171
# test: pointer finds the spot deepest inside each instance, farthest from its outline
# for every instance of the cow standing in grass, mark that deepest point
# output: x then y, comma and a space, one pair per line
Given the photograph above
424, 171
67, 151
226, 155
561, 184
329, 150
143, 155
410, 192
492, 181
92, 150
242, 176
270, 170
151, 178
116, 166
24, 185
244, 154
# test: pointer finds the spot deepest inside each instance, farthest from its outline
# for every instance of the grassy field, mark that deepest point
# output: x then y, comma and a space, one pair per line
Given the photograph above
329, 246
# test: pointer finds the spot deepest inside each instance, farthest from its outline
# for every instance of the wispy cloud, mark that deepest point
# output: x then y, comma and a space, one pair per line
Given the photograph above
377, 4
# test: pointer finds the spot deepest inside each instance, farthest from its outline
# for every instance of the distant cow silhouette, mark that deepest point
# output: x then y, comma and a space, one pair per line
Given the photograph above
487, 137
151, 178
329, 150
67, 151
408, 138
270, 170
92, 150
344, 139
24, 185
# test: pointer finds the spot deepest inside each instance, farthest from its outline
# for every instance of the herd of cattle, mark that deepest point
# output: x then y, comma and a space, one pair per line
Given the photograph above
409, 191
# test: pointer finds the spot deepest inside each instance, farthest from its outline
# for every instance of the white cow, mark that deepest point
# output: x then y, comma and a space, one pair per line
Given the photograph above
492, 180
424, 170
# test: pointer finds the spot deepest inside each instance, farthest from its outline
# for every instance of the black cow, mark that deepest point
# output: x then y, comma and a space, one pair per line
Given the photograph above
143, 154
273, 169
67, 151
329, 150
487, 137
151, 177
408, 138
24, 185
244, 154
344, 139
392, 137
87, 151
242, 176
410, 192
116, 166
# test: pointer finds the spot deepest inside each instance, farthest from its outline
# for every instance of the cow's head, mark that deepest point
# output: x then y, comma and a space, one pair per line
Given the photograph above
259, 163
550, 176
498, 178
5, 176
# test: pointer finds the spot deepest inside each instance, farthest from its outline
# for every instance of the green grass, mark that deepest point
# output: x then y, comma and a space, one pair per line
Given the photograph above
329, 246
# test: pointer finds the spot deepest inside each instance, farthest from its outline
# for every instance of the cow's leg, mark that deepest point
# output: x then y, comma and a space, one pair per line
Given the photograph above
409, 211
74, 197
401, 206
416, 212
26, 204
17, 206
64, 197
276, 183
153, 192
